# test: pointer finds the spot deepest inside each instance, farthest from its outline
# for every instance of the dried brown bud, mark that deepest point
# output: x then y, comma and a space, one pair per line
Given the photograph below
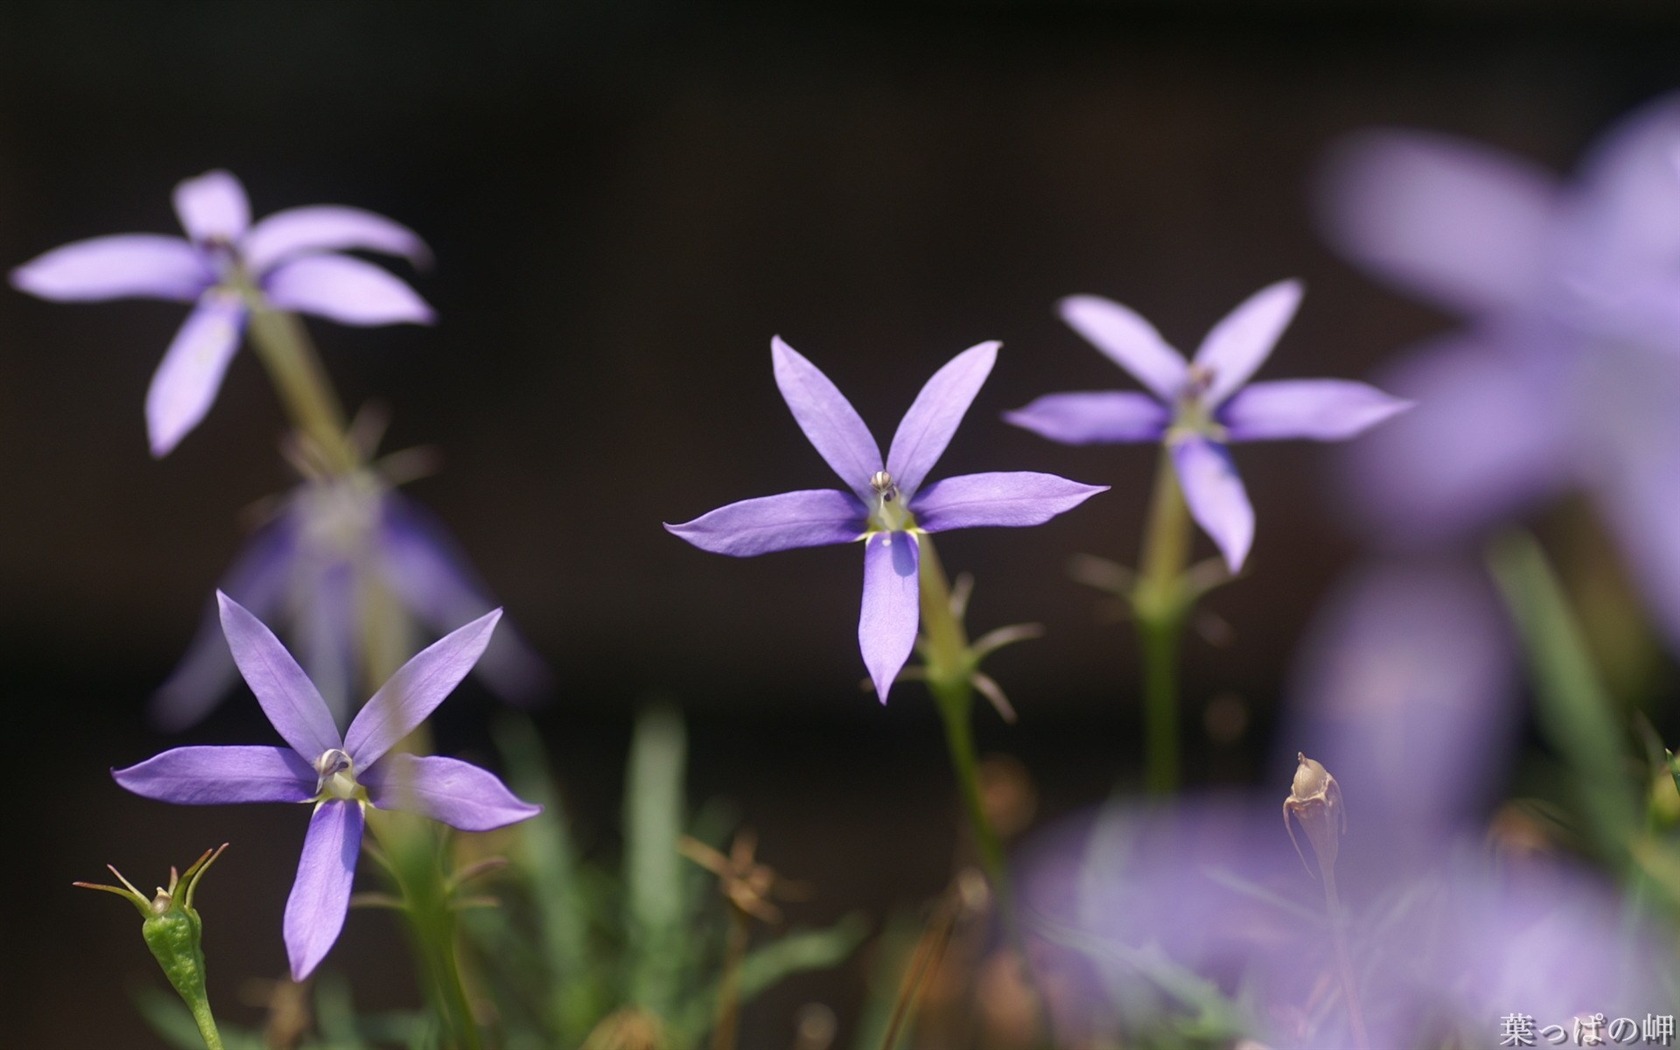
1315, 799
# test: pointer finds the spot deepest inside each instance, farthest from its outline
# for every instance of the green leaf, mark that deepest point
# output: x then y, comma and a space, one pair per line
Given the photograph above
1576, 712
653, 878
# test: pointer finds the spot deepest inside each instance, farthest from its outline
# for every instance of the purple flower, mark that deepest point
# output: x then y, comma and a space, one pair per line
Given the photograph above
1567, 374
339, 774
887, 505
227, 266
1200, 405
345, 552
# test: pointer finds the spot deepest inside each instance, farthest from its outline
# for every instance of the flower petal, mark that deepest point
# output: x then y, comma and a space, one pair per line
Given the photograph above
1240, 343
1463, 226
411, 694
891, 606
213, 776
213, 207
1095, 417
287, 696
1320, 409
807, 518
257, 581
142, 265
1216, 496
1129, 341
1010, 497
827, 418
933, 417
320, 897
445, 789
187, 379
346, 290
327, 228
419, 561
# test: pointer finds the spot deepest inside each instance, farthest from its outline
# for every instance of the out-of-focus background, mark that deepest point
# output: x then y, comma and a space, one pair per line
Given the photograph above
626, 202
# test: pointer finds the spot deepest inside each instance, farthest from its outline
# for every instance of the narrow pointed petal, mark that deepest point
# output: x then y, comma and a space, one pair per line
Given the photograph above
320, 897
257, 581
1238, 345
213, 776
1129, 341
447, 790
1463, 226
933, 417
1010, 498
827, 418
131, 265
891, 606
213, 207
287, 696
421, 563
346, 290
187, 379
328, 228
411, 694
1096, 417
808, 518
1318, 409
1216, 497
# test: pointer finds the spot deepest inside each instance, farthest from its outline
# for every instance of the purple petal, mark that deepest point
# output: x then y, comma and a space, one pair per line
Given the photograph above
1461, 225
808, 518
1216, 497
447, 790
320, 897
212, 776
420, 562
187, 379
1240, 343
1129, 341
327, 228
411, 694
346, 290
1094, 417
128, 265
1011, 497
288, 698
213, 207
927, 427
1319, 409
1490, 434
257, 581
891, 606
827, 418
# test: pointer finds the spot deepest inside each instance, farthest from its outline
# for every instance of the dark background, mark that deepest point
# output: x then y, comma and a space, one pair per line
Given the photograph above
626, 202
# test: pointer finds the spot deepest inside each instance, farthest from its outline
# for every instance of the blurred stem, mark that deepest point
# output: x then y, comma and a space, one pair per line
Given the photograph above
295, 370
729, 987
949, 664
1161, 602
1344, 961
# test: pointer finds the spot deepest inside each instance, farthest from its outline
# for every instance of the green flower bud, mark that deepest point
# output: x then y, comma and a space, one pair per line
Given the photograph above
174, 932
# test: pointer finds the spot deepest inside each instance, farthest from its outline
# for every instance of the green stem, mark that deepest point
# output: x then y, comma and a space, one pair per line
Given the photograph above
294, 368
206, 1022
1160, 603
729, 988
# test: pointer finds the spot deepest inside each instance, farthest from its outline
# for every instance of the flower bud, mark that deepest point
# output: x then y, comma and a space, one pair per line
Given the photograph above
1315, 799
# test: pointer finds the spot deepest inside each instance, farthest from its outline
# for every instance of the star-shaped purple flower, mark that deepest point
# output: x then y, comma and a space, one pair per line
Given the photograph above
339, 550
1200, 405
887, 505
339, 774
225, 266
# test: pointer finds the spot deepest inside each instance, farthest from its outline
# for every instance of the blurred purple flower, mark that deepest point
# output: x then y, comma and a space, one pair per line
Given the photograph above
887, 506
1568, 373
1169, 910
227, 266
339, 774
1196, 407
347, 563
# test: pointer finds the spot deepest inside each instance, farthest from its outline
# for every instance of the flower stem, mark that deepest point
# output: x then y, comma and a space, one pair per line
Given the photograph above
729, 987
1344, 962
295, 370
1160, 602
